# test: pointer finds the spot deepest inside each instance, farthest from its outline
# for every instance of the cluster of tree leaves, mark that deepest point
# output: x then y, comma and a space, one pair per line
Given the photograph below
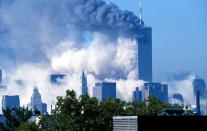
15, 118
87, 113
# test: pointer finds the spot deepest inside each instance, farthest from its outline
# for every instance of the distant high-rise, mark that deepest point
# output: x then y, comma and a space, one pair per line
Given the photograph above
199, 85
156, 89
144, 51
0, 76
10, 102
1, 82
36, 102
198, 112
56, 78
137, 95
104, 90
44, 108
84, 84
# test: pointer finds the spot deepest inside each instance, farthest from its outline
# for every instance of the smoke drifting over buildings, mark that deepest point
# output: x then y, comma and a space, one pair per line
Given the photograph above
67, 36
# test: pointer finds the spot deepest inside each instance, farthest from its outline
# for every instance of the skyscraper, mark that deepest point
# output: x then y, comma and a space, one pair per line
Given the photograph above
10, 102
137, 95
199, 85
156, 89
104, 90
36, 102
84, 84
44, 108
1, 82
56, 78
144, 51
0, 76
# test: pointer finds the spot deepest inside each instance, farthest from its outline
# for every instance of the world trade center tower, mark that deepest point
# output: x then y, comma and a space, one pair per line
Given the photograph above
144, 51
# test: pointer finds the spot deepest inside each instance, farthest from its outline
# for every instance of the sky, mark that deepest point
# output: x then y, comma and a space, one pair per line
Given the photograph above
40, 37
179, 34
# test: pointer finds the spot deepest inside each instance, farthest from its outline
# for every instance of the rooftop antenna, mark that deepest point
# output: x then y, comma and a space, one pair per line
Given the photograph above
140, 13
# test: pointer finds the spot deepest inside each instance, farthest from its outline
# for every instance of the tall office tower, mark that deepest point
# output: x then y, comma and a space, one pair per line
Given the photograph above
36, 102
2, 87
198, 112
137, 95
0, 76
56, 78
104, 90
199, 85
44, 108
156, 89
144, 51
84, 84
10, 102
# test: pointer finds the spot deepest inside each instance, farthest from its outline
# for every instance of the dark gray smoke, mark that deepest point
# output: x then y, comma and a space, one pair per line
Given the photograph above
94, 15
29, 27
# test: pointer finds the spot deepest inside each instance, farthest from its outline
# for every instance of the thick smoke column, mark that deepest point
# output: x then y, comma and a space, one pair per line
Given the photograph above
34, 25
67, 36
94, 15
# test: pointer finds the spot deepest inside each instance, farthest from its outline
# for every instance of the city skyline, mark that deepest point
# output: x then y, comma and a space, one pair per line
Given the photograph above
105, 50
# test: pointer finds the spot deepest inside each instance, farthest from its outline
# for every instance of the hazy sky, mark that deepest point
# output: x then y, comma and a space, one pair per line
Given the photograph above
179, 34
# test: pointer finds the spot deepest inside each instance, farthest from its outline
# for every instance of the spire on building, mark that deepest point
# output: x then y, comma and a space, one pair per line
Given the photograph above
140, 11
84, 84
36, 102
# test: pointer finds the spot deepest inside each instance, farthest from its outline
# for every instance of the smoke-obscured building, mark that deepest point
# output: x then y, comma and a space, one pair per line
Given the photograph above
156, 89
0, 76
44, 108
10, 102
1, 81
104, 90
36, 102
84, 84
145, 54
56, 78
199, 85
137, 95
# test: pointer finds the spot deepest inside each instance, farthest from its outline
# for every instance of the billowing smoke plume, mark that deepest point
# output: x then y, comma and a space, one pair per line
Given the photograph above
38, 37
31, 26
102, 60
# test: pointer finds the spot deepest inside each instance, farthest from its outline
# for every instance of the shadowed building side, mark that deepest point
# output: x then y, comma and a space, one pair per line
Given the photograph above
84, 84
104, 90
145, 54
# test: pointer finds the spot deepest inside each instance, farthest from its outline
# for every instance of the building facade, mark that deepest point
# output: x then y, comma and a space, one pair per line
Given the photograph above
104, 90
84, 84
137, 95
199, 85
156, 89
36, 102
44, 108
125, 123
2, 87
0, 76
10, 102
145, 54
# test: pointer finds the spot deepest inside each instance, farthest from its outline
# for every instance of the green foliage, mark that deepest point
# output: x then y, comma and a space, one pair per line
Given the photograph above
75, 114
90, 114
28, 126
14, 118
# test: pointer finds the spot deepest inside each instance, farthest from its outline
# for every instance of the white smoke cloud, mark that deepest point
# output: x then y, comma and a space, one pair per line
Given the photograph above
184, 87
102, 58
